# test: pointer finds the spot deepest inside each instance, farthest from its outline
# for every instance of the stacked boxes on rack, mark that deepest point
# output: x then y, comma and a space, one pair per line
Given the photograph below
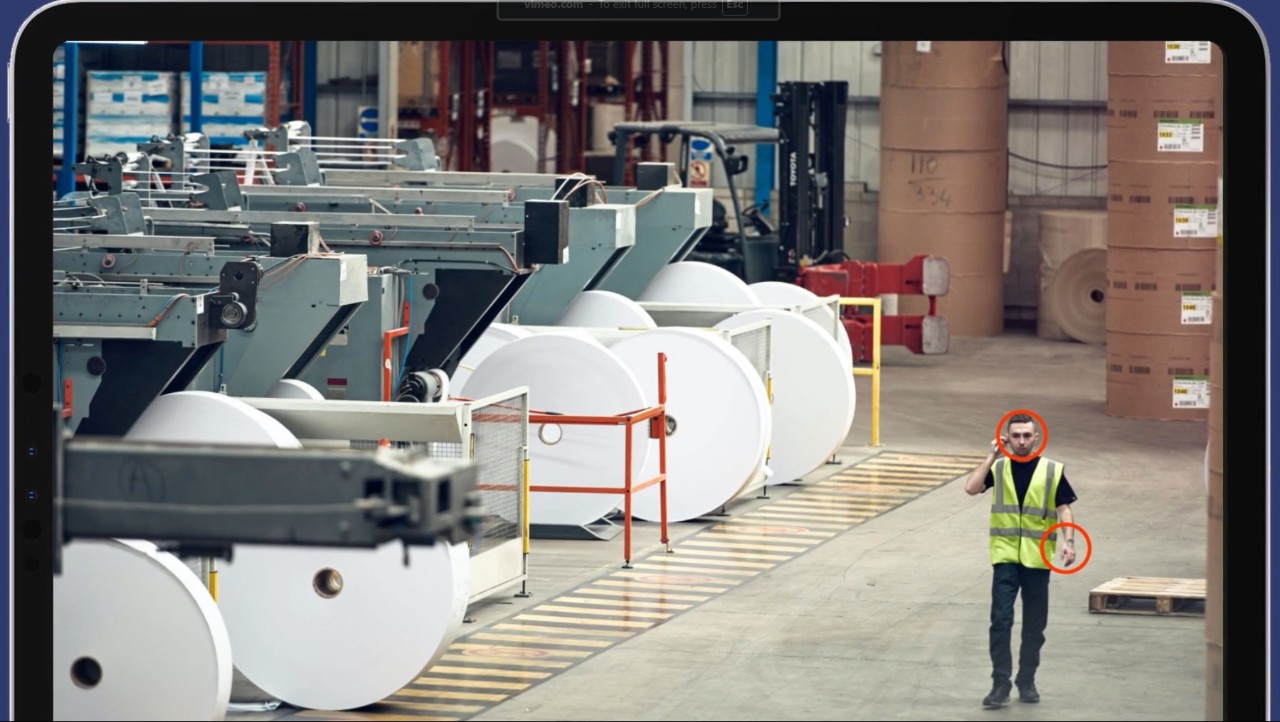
231, 103
126, 108
59, 97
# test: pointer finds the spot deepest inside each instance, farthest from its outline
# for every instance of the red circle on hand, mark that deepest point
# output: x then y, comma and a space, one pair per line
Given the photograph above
1044, 434
1045, 537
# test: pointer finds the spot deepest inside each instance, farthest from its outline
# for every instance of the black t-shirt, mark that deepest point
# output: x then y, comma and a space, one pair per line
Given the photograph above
1022, 471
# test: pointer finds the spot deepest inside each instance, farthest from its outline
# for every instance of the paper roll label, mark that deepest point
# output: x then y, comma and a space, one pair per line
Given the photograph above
1180, 136
924, 46
1190, 392
1197, 52
199, 305
1195, 221
1197, 309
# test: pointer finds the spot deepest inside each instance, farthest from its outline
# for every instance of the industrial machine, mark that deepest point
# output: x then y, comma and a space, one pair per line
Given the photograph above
312, 296
107, 244
602, 249
670, 218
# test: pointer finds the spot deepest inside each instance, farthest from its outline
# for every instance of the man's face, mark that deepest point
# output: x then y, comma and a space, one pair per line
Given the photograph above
1022, 437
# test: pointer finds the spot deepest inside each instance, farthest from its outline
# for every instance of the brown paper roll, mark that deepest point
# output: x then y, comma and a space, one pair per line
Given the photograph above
1077, 296
943, 64
1065, 233
944, 181
1213, 682
944, 118
1160, 291
1143, 371
1162, 57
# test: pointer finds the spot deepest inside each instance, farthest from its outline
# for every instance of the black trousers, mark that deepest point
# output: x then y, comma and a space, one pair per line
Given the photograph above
1006, 581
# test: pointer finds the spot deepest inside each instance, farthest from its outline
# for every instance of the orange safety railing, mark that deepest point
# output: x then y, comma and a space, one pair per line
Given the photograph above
387, 338
657, 418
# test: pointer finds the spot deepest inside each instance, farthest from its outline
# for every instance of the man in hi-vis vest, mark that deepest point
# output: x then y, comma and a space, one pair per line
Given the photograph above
1030, 496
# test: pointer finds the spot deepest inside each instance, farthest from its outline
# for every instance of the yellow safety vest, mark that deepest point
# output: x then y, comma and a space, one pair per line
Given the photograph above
1016, 531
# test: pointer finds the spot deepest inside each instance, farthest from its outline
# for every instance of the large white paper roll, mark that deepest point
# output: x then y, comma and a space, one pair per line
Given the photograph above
695, 282
294, 389
208, 418
777, 293
721, 416
605, 309
319, 628
336, 629
136, 636
813, 392
573, 375
494, 337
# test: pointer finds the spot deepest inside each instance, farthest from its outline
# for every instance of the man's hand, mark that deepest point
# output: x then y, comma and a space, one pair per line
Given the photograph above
1068, 554
974, 485
995, 447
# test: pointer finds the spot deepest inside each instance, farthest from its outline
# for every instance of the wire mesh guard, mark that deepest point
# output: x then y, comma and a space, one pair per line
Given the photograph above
754, 344
826, 316
498, 435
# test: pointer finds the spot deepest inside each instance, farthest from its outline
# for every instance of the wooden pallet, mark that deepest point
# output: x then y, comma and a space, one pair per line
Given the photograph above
1149, 595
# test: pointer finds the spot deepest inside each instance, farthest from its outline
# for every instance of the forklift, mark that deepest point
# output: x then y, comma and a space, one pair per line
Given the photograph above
811, 217
807, 245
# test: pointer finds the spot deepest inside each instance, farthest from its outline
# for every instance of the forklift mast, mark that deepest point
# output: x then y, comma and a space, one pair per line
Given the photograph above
811, 120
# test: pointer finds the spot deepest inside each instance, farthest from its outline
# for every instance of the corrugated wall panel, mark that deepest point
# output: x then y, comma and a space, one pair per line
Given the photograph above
347, 61
726, 68
1059, 73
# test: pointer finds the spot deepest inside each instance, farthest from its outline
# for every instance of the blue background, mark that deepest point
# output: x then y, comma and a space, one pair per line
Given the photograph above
15, 12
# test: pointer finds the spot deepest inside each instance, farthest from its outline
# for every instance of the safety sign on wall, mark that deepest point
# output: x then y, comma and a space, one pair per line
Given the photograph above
700, 157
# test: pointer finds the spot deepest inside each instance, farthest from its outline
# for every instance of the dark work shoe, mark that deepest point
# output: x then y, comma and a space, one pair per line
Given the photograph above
1027, 693
998, 696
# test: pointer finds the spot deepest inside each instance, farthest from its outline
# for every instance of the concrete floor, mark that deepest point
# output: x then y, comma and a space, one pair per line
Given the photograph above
888, 620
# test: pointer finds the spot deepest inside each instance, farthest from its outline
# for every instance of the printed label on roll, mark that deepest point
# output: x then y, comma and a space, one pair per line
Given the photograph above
1180, 136
1188, 51
1197, 309
923, 46
1195, 221
1190, 392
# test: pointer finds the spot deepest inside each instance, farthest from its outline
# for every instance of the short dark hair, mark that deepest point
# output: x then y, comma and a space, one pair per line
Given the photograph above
1020, 419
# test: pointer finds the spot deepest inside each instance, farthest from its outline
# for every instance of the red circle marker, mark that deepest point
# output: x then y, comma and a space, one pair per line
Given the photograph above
1045, 537
1044, 434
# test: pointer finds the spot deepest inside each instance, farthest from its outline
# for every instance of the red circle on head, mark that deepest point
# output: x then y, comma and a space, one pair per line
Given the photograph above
1044, 434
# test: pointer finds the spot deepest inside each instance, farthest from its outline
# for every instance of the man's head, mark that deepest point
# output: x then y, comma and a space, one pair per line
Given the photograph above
1023, 435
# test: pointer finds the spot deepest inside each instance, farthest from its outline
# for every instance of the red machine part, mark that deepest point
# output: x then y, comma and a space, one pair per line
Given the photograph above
922, 275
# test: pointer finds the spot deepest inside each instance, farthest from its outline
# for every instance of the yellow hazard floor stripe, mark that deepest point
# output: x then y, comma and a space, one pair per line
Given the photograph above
446, 694
736, 545
624, 603
636, 594
490, 665
669, 565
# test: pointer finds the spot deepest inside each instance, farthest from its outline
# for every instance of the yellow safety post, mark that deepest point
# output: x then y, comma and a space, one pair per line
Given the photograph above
213, 580
874, 371
524, 495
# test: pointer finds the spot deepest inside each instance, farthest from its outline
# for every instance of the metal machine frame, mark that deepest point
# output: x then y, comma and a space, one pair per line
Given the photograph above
477, 431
